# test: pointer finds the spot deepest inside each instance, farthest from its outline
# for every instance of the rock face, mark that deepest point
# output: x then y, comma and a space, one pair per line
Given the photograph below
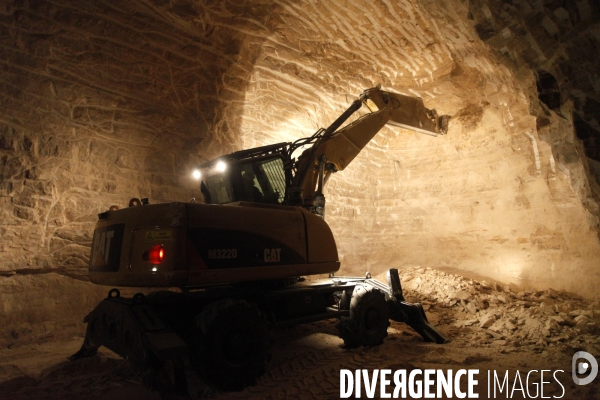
104, 101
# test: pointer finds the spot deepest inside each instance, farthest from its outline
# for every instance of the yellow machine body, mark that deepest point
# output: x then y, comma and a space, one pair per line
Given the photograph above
207, 244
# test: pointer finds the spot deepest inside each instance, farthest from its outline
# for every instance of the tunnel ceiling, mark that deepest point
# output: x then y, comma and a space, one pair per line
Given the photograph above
103, 101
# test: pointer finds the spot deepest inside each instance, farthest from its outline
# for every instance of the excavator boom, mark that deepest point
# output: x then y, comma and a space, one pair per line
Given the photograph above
335, 149
282, 179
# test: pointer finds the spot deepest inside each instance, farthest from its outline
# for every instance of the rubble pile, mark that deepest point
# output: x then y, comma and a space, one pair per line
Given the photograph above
493, 315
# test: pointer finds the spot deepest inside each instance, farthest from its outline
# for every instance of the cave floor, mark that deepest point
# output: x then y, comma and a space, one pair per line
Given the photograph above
501, 331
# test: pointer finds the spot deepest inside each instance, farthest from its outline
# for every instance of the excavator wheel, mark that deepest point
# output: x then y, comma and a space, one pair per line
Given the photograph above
369, 318
233, 343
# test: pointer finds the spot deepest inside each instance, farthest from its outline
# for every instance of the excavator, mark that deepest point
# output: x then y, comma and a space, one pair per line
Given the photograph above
235, 267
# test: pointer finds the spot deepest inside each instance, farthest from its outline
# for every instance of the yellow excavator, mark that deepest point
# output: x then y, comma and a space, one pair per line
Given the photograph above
235, 265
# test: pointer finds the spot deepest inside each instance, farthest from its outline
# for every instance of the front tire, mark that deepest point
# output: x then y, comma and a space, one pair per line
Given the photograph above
369, 318
233, 343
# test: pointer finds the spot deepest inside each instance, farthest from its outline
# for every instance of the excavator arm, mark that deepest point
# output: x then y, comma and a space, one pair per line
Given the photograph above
271, 174
335, 149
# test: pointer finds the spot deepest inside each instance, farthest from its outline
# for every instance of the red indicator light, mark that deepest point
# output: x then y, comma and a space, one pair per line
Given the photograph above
156, 254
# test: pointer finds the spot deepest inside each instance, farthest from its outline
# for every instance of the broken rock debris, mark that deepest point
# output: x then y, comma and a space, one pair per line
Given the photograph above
488, 314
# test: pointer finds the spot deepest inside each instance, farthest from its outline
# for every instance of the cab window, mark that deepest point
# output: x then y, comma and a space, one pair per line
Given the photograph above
259, 180
219, 190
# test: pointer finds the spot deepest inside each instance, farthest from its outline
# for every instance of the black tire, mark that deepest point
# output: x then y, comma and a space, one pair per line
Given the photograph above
369, 318
233, 343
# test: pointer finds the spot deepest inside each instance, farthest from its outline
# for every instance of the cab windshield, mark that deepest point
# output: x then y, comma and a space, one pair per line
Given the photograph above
258, 180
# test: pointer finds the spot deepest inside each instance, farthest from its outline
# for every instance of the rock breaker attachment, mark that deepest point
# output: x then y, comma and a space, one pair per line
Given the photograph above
411, 314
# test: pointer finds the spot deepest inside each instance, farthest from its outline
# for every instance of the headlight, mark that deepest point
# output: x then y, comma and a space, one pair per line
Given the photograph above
221, 166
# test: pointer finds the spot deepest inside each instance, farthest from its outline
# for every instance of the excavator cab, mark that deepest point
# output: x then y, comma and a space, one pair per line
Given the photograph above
258, 177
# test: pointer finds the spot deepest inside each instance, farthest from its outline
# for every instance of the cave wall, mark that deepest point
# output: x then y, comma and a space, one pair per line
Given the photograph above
503, 195
103, 101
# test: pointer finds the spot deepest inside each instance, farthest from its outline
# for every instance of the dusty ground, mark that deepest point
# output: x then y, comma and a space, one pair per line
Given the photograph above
491, 327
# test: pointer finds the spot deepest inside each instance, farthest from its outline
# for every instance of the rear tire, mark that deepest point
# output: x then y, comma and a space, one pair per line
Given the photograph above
233, 343
369, 318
